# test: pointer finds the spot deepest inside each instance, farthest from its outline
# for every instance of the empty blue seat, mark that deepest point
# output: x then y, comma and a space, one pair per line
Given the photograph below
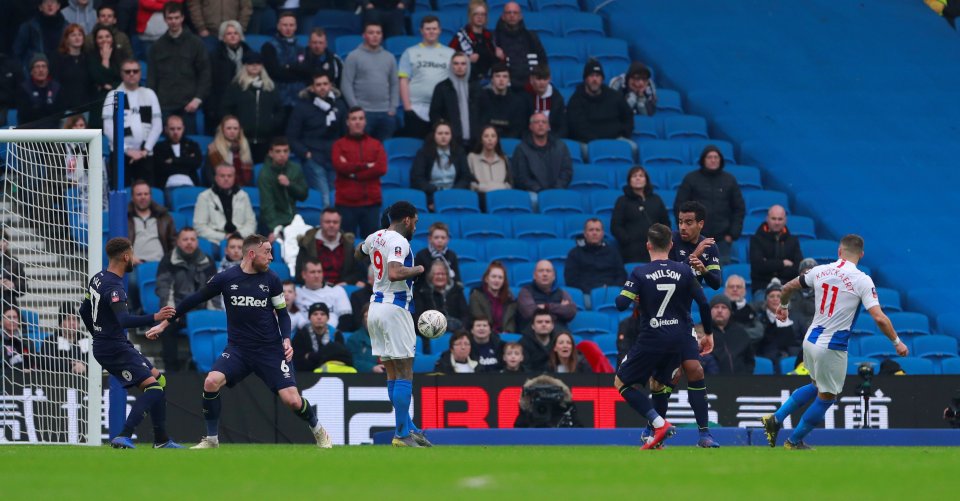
747, 177
916, 366
610, 52
802, 227
764, 366
582, 25
684, 126
335, 22
697, 146
402, 147
482, 226
415, 197
787, 364
562, 49
281, 269
396, 177
668, 102
645, 127
934, 346
471, 274
202, 141
511, 337
509, 144
910, 323
458, 5
950, 366
254, 194
760, 201
554, 250
424, 363
576, 150
656, 175
184, 198
256, 42
889, 299
182, 219
396, 45
508, 250
565, 73
209, 248
853, 364
607, 343
588, 324
573, 224
824, 251
456, 201
508, 202
602, 201
669, 198
522, 273
677, 173
557, 5
587, 178
467, 251
949, 324
560, 202
577, 296
737, 269
877, 347
426, 219
662, 152
610, 151
345, 44
602, 299
865, 325
534, 226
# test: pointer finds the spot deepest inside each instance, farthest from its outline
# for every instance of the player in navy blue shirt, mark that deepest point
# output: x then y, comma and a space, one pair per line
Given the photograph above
663, 291
258, 337
104, 313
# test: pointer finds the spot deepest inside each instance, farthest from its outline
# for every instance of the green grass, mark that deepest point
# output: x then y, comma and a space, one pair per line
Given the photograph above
557, 473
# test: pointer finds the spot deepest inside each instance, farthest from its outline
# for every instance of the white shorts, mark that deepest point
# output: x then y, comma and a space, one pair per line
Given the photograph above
391, 331
828, 368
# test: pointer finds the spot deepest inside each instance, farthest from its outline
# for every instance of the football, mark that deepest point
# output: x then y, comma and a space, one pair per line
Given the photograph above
432, 324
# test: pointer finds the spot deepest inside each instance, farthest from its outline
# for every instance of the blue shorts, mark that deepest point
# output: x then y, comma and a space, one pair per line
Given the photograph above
267, 362
124, 362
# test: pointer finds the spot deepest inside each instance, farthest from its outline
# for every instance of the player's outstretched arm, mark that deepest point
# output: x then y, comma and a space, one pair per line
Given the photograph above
189, 303
397, 272
783, 311
886, 327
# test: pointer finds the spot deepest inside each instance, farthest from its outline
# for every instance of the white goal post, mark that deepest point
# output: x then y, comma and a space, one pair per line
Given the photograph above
52, 215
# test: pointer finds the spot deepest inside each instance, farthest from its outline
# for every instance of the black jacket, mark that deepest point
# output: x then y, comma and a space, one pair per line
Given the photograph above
313, 130
767, 252
259, 112
719, 192
604, 116
777, 341
166, 164
423, 257
80, 89
423, 165
445, 105
536, 357
34, 103
222, 72
733, 350
522, 49
558, 110
10, 77
445, 363
509, 113
306, 359
179, 70
451, 302
632, 217
537, 168
591, 266
327, 63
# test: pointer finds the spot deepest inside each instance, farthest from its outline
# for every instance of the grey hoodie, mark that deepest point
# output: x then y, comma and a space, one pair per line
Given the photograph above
370, 80
85, 16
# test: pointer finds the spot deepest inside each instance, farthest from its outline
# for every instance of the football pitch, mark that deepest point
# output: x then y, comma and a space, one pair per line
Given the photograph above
364, 472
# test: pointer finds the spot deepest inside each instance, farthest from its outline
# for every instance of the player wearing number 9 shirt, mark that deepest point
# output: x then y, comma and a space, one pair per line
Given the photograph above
104, 313
258, 338
839, 290
392, 336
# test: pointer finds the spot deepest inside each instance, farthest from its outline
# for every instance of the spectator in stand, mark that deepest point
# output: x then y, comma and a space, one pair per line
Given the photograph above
390, 14
593, 263
298, 317
458, 359
494, 301
254, 100
774, 251
17, 358
635, 212
521, 48
422, 67
541, 161
182, 271
71, 65
65, 351
360, 162
537, 341
476, 41
626, 336
318, 58
318, 121
224, 208
719, 192
179, 69
264, 17
150, 20
141, 120
334, 248
316, 290
732, 346
637, 88
105, 57
178, 159
361, 348
370, 82
226, 65
281, 186
437, 248
486, 346
40, 98
501, 106
545, 294
208, 16
488, 163
282, 58
453, 100
803, 305
314, 344
595, 111
742, 311
780, 338
81, 13
512, 358
13, 280
41, 34
440, 164
564, 357
545, 99
11, 76
232, 253
439, 292
107, 18
230, 146
149, 225
361, 296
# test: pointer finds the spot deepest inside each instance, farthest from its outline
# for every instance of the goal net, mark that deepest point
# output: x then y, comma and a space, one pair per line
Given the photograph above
52, 215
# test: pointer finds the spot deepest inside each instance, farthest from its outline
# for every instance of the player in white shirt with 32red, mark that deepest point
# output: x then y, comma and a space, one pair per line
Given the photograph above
391, 328
839, 290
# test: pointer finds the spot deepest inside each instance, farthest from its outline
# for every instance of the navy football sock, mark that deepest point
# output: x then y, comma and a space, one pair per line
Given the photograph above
402, 390
639, 400
661, 401
140, 408
697, 395
800, 397
307, 413
158, 415
211, 412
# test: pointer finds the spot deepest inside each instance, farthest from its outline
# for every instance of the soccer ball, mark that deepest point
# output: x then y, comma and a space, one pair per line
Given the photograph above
432, 324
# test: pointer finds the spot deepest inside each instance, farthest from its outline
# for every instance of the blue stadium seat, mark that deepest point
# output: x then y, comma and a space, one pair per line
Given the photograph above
184, 198
934, 346
543, 24
610, 151
281, 269
510, 337
697, 146
534, 226
209, 248
787, 364
760, 201
662, 152
685, 126
557, 202
396, 45
573, 224
456, 201
645, 127
917, 366
607, 343
522, 273
426, 219
256, 42
864, 324
764, 366
877, 347
824, 251
602, 202
471, 274
577, 296
182, 219
588, 324
509, 144
254, 193
582, 25
334, 22
415, 197
482, 226
610, 52
156, 194
602, 299
207, 330
915, 324
853, 363
467, 251
950, 366
424, 363
737, 269
314, 201
656, 175
747, 177
565, 6
508, 251
565, 73
576, 150
400, 154
802, 227
394, 178
562, 49
668, 102
345, 44
203, 141
669, 198
676, 174
948, 324
508, 202
588, 178
889, 299
554, 250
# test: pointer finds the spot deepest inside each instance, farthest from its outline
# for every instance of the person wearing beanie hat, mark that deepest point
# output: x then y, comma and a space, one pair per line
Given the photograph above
595, 111
732, 346
316, 344
803, 307
637, 88
743, 310
38, 100
774, 251
253, 98
780, 337
719, 192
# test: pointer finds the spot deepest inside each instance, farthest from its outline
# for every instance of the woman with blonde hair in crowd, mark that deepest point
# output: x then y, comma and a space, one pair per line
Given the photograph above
230, 146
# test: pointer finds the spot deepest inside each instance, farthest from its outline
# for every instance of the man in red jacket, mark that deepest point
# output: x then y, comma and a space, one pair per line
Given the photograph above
360, 162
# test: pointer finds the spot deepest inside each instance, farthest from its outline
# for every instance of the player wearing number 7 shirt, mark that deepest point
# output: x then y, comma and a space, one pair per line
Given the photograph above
839, 288
392, 336
258, 338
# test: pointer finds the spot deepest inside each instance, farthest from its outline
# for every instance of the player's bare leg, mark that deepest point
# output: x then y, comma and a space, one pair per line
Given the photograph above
697, 395
639, 399
291, 397
211, 409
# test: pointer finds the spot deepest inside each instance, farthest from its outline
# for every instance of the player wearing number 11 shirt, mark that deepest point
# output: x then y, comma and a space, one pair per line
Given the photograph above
839, 290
